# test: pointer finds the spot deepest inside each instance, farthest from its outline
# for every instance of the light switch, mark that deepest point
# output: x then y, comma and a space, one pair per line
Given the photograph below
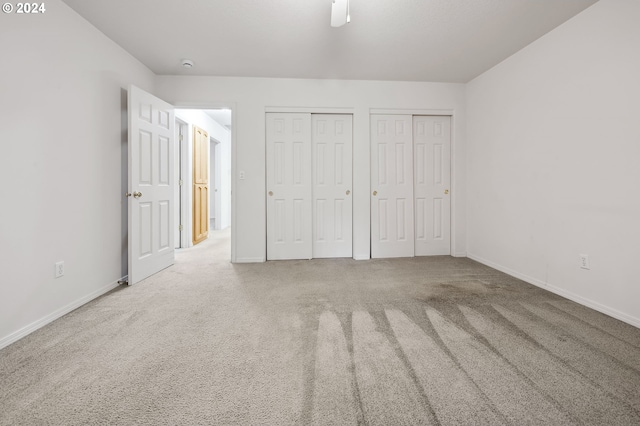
241, 174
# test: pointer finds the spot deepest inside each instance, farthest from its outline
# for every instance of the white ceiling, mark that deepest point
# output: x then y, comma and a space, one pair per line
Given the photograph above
413, 40
221, 116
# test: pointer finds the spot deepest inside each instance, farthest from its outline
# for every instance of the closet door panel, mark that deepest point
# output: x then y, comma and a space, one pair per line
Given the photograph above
432, 180
332, 177
392, 218
289, 186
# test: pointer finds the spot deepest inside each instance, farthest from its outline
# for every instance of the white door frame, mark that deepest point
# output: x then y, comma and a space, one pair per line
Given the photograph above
215, 163
233, 108
181, 173
454, 169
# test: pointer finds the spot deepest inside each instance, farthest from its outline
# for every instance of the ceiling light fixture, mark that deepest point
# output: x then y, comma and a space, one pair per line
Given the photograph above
340, 13
187, 63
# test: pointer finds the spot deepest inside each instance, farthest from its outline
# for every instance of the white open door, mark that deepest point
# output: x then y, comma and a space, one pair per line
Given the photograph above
331, 139
392, 186
151, 181
432, 162
289, 216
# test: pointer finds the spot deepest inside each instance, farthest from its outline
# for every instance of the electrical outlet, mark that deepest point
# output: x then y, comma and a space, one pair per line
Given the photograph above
59, 269
584, 261
242, 174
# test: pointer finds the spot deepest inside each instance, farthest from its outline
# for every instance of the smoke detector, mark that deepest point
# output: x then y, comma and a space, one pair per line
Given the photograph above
340, 13
187, 63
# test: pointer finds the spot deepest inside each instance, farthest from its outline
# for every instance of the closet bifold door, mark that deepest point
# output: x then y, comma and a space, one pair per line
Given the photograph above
289, 186
392, 230
331, 138
432, 180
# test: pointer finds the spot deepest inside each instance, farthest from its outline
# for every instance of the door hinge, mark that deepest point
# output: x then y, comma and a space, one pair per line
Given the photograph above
180, 138
180, 182
180, 228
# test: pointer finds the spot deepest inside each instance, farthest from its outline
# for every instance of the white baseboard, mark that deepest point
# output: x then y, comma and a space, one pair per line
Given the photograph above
595, 305
24, 331
250, 260
361, 257
508, 271
460, 254
561, 292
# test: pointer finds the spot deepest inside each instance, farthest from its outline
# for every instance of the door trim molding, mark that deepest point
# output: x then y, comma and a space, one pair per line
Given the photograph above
183, 199
310, 110
401, 111
213, 182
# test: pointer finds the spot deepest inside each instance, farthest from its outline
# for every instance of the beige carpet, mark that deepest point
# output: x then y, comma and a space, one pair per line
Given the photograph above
387, 342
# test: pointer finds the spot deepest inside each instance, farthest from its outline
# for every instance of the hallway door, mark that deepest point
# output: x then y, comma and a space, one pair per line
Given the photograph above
151, 184
200, 185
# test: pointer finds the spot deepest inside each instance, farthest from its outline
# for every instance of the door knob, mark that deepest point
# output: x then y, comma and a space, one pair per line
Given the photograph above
137, 194
375, 193
270, 193
348, 192
127, 194
446, 191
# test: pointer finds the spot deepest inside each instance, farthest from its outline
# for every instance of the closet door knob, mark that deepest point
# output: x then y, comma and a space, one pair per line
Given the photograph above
270, 193
348, 192
137, 194
375, 193
446, 191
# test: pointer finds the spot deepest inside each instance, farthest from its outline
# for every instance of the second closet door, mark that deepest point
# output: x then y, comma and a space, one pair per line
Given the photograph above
331, 138
432, 180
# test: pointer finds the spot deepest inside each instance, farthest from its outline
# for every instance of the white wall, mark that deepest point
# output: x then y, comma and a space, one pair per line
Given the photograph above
196, 117
553, 160
251, 96
63, 166
224, 177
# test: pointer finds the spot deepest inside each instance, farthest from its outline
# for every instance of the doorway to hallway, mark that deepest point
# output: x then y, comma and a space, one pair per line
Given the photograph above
204, 161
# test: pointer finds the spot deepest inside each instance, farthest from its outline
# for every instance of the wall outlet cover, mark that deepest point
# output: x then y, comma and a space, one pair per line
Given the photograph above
583, 260
59, 269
